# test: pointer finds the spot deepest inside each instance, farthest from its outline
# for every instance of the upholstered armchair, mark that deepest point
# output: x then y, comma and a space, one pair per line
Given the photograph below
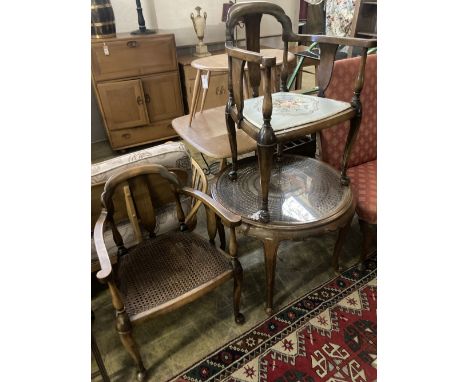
362, 168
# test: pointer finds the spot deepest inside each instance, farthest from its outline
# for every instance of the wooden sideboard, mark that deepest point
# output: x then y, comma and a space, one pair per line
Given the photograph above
137, 85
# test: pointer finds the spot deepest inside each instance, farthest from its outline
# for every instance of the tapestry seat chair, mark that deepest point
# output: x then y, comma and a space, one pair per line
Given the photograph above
280, 117
156, 272
362, 167
172, 155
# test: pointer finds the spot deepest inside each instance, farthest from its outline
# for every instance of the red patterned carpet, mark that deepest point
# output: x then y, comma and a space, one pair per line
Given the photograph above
329, 335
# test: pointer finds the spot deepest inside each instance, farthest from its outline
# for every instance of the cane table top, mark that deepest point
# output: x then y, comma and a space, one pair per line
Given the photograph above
302, 191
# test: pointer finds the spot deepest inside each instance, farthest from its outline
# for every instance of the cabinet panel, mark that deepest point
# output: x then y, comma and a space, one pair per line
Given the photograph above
217, 94
133, 56
134, 136
162, 96
123, 104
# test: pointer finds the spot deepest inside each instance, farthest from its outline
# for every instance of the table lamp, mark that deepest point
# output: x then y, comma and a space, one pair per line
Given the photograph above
141, 22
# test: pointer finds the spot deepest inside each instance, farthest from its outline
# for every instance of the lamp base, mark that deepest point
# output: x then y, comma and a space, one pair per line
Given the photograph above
146, 31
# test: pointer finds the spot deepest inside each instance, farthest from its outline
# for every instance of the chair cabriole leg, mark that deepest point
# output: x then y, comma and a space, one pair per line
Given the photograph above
222, 233
342, 233
231, 127
238, 280
366, 241
238, 276
270, 248
265, 164
124, 328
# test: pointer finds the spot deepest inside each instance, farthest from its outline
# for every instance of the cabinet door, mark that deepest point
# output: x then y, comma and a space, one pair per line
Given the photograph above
123, 104
217, 93
162, 96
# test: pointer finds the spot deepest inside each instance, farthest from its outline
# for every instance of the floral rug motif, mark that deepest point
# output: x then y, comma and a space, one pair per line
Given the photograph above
330, 334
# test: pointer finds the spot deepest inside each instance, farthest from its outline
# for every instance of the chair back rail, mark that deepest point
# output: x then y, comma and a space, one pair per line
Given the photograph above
250, 14
137, 185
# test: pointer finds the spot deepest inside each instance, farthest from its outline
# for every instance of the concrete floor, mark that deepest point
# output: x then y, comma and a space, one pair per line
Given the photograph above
173, 342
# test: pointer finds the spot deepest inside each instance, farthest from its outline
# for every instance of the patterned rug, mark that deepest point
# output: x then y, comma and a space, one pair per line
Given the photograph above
330, 334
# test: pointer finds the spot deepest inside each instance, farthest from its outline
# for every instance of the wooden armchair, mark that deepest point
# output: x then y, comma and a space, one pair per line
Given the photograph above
362, 168
279, 117
161, 272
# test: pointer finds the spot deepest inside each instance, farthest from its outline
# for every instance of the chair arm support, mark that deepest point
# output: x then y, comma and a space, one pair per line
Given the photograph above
104, 260
249, 56
349, 41
228, 218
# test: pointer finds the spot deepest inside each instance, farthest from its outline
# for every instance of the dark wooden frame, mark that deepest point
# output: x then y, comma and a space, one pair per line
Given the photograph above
217, 218
250, 14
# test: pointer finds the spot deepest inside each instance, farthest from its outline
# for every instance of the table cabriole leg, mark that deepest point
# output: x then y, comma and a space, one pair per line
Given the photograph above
342, 233
270, 248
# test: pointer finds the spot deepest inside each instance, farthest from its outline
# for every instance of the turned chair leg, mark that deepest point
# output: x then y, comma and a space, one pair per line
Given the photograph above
265, 164
366, 239
270, 250
124, 328
231, 127
238, 281
342, 233
222, 233
98, 358
97, 355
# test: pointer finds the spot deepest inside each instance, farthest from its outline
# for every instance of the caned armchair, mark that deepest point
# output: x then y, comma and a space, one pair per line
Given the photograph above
162, 271
280, 117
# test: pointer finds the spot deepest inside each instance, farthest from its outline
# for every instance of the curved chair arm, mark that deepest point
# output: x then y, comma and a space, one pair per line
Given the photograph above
250, 56
104, 260
199, 182
228, 218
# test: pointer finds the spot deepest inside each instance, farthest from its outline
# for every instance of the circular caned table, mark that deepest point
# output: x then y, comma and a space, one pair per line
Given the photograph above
219, 63
306, 198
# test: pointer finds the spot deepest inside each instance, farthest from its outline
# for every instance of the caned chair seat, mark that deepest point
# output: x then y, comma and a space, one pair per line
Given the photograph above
364, 185
167, 221
292, 110
162, 269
